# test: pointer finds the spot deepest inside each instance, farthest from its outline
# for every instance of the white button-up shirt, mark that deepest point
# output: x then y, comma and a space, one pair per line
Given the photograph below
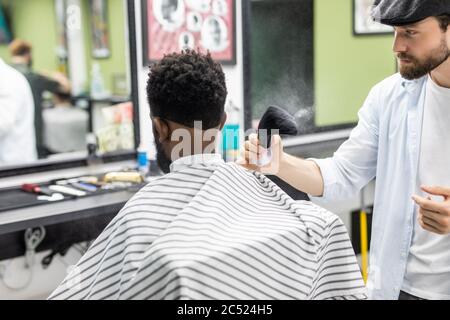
17, 134
385, 144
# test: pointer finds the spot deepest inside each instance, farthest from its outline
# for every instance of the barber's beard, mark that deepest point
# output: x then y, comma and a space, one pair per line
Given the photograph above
417, 68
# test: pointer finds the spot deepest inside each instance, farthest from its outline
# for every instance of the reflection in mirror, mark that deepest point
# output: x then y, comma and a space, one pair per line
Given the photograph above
305, 59
60, 86
283, 78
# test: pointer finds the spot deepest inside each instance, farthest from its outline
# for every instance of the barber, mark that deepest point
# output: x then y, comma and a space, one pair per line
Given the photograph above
17, 139
22, 61
403, 139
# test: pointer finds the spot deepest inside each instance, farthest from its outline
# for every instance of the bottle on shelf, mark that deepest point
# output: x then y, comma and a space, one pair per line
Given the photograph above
231, 134
98, 90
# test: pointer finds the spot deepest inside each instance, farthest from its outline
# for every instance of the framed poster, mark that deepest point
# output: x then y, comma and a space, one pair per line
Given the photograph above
99, 26
363, 23
174, 25
61, 29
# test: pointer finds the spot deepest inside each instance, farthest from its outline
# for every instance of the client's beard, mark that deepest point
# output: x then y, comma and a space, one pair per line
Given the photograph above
418, 68
163, 161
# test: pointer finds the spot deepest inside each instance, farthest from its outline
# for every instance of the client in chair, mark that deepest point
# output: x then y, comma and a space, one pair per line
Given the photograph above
209, 229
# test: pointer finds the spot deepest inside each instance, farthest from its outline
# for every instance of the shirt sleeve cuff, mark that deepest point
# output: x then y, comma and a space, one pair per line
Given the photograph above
328, 172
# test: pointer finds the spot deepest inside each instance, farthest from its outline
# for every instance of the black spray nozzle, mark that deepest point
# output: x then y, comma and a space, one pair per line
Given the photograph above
276, 121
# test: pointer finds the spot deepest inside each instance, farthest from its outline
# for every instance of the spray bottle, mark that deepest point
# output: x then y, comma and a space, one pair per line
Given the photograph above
97, 84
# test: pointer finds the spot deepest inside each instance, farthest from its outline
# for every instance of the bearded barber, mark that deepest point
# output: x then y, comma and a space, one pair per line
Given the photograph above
403, 139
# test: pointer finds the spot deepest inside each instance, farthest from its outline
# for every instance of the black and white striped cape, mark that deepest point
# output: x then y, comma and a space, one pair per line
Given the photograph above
217, 231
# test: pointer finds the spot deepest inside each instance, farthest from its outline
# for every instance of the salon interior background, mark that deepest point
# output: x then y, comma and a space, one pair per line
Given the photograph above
345, 67
27, 14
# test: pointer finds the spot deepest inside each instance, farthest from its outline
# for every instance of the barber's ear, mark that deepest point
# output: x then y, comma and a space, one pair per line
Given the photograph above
161, 128
223, 120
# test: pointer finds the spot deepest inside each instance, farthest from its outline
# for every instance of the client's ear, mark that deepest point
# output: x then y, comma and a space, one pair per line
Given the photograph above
161, 129
223, 120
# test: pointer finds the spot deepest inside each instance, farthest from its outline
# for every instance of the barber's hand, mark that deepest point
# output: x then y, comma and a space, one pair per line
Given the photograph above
252, 153
63, 81
61, 78
434, 216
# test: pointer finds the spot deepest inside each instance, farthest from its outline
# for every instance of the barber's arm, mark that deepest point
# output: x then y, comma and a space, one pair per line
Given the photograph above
341, 176
434, 216
55, 82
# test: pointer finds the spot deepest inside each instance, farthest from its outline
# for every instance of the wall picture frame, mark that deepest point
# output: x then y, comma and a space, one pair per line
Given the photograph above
61, 28
363, 23
174, 25
99, 29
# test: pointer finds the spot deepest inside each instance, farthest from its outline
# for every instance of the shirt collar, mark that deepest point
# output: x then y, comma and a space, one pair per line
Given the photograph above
412, 85
196, 159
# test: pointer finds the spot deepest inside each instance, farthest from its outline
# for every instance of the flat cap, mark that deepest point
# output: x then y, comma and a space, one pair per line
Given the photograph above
403, 12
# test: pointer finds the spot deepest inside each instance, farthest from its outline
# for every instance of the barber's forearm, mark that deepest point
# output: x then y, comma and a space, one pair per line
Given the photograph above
303, 175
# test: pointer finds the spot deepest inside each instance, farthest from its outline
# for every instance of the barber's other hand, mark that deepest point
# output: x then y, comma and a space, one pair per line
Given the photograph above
252, 153
434, 216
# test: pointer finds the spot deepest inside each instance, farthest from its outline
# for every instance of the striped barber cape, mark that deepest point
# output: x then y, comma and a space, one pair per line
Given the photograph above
210, 230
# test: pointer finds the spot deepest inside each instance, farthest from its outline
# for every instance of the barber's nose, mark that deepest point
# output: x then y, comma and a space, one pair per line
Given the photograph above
399, 44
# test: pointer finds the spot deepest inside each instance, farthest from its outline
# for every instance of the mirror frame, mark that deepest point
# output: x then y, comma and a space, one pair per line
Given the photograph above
247, 53
50, 165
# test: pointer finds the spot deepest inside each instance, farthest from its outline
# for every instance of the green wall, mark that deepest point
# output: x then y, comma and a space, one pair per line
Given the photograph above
4, 53
35, 21
346, 67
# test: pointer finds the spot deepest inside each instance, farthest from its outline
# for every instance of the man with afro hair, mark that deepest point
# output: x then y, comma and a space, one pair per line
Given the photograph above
209, 229
184, 90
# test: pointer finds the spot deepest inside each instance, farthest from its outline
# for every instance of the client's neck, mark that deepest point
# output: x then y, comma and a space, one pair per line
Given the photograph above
205, 148
196, 143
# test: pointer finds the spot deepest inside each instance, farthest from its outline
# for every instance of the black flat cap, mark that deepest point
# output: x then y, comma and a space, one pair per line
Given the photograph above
403, 12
